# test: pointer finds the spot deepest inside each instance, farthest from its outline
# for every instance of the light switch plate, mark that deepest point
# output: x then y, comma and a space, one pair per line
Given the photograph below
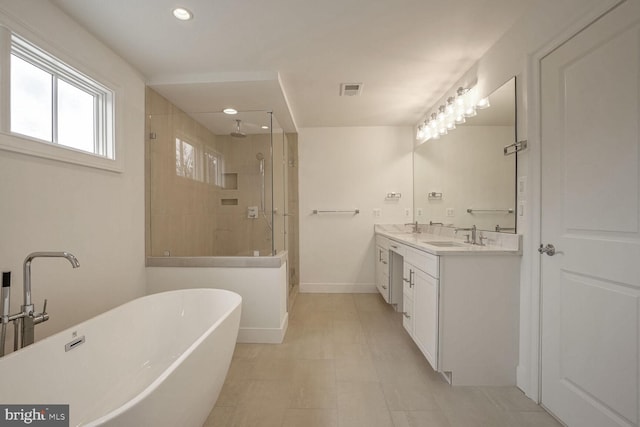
377, 212
252, 212
451, 212
419, 212
522, 184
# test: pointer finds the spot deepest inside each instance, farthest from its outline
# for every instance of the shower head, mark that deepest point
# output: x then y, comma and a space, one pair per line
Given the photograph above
260, 156
237, 133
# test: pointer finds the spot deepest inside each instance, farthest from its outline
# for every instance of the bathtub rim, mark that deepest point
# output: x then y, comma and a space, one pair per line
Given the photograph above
178, 361
235, 304
271, 261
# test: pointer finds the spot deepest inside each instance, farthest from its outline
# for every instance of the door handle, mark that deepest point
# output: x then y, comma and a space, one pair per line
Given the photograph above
549, 249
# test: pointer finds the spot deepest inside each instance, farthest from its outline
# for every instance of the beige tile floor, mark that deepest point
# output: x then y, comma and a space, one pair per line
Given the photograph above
346, 361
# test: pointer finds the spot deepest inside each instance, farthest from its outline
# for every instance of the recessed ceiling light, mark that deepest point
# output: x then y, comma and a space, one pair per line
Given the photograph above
182, 14
265, 127
230, 111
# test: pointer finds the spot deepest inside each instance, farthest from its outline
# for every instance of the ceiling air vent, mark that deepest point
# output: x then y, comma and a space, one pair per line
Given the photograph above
350, 89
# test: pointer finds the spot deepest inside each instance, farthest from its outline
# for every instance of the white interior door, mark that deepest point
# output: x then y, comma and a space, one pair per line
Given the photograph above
590, 213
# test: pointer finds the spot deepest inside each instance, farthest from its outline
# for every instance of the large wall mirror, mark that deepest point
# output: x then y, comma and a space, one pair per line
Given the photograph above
463, 178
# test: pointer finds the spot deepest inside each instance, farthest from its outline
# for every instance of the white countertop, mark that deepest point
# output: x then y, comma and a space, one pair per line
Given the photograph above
497, 243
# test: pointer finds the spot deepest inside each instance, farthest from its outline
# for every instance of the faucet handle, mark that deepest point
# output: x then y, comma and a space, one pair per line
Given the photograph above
42, 317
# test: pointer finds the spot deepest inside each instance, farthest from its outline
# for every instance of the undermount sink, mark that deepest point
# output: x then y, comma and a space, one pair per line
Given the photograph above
443, 244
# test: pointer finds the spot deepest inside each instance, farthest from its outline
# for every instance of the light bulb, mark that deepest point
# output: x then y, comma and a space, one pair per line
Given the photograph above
451, 124
470, 111
483, 103
182, 14
426, 135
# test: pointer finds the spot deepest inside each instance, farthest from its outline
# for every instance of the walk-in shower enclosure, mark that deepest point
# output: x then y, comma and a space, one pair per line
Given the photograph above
216, 183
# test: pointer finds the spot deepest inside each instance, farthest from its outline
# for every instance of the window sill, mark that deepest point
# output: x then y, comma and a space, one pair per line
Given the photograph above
33, 147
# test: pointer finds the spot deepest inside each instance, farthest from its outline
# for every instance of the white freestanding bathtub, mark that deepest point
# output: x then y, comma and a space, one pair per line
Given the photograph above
159, 360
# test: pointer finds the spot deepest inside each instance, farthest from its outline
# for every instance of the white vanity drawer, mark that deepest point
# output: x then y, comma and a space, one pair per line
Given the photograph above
422, 260
396, 247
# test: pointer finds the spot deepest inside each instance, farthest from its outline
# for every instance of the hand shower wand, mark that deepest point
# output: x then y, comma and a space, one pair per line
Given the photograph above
6, 288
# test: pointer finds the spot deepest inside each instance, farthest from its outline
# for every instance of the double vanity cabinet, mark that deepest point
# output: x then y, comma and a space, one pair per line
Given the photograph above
459, 301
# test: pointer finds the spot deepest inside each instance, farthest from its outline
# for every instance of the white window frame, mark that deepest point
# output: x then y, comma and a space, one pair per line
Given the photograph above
107, 149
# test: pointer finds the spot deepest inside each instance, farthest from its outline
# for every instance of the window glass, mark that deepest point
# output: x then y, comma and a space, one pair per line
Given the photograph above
76, 118
31, 100
185, 159
213, 164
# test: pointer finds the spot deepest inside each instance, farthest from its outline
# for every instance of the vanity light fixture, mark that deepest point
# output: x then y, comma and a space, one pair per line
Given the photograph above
442, 120
456, 110
230, 111
450, 112
483, 103
424, 131
182, 14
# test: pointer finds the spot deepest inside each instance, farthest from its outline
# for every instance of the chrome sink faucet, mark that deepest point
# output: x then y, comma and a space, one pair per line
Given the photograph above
28, 317
415, 226
473, 230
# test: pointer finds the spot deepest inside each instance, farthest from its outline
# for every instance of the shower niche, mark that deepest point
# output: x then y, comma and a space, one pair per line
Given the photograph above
204, 171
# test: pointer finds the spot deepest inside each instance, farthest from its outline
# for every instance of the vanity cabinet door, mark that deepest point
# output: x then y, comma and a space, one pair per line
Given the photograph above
382, 271
425, 315
407, 314
407, 279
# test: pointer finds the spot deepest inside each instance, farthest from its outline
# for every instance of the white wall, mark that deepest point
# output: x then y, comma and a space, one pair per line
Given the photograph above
50, 205
517, 53
263, 291
347, 168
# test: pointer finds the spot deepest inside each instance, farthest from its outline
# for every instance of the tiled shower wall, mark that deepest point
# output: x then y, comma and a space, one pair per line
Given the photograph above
189, 217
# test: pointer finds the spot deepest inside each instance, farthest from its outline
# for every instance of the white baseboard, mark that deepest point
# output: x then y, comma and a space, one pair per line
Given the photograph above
264, 335
338, 288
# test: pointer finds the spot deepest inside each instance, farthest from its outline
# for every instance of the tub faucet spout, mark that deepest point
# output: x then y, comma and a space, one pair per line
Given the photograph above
28, 316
